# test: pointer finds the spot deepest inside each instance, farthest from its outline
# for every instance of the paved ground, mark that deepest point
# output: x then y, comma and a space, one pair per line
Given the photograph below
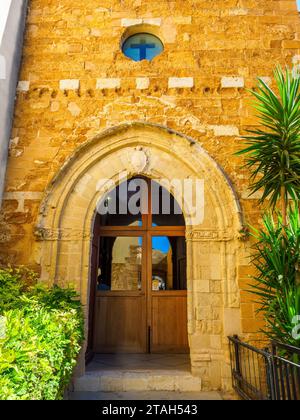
148, 395
126, 362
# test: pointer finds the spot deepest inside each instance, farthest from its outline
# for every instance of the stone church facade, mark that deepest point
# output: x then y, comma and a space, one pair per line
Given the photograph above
83, 109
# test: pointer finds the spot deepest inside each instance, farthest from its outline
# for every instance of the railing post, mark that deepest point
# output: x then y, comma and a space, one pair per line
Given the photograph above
270, 374
237, 359
275, 371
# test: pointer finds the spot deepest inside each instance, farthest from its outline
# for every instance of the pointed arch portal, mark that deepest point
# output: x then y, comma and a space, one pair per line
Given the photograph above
138, 293
65, 230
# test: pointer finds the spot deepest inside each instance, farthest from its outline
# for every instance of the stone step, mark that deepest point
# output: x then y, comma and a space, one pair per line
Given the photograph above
145, 395
130, 381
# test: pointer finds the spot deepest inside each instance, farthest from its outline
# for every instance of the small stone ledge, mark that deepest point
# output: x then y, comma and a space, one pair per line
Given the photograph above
181, 82
23, 86
142, 83
225, 130
108, 83
232, 82
69, 84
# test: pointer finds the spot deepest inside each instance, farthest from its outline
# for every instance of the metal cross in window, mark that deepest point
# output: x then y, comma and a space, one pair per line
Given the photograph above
142, 47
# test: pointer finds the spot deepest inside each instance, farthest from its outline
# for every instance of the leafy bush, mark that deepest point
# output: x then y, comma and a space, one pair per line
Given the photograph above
277, 257
14, 281
43, 334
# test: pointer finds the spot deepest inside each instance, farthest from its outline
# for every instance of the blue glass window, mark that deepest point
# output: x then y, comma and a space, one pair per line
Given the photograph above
142, 47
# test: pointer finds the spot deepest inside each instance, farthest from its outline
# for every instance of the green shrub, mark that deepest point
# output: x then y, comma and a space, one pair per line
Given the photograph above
43, 334
13, 282
277, 257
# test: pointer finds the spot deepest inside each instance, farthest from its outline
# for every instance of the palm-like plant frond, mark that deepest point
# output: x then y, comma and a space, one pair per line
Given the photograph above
273, 152
276, 257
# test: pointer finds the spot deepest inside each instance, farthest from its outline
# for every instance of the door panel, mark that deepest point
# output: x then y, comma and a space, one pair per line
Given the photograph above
169, 322
168, 295
120, 325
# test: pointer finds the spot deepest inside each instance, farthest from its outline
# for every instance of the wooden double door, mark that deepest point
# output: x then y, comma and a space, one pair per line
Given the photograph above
139, 285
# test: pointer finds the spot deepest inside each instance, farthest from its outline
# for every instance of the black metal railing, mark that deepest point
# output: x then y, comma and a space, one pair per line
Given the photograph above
265, 374
286, 362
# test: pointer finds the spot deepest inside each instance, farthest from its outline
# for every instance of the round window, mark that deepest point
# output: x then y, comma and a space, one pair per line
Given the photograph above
142, 47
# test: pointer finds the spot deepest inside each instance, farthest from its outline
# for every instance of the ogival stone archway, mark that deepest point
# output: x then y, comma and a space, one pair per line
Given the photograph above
65, 227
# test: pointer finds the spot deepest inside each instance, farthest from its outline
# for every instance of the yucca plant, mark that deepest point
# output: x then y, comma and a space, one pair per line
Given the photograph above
273, 151
277, 252
272, 154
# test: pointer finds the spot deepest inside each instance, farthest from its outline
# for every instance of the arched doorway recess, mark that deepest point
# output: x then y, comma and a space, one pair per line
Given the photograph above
64, 230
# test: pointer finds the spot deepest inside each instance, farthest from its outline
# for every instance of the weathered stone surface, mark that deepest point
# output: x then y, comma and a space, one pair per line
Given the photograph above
87, 383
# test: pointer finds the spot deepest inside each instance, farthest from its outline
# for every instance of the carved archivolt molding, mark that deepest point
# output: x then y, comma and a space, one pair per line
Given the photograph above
43, 234
200, 235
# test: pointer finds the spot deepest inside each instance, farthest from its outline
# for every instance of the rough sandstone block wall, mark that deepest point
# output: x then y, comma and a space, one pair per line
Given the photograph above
75, 83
